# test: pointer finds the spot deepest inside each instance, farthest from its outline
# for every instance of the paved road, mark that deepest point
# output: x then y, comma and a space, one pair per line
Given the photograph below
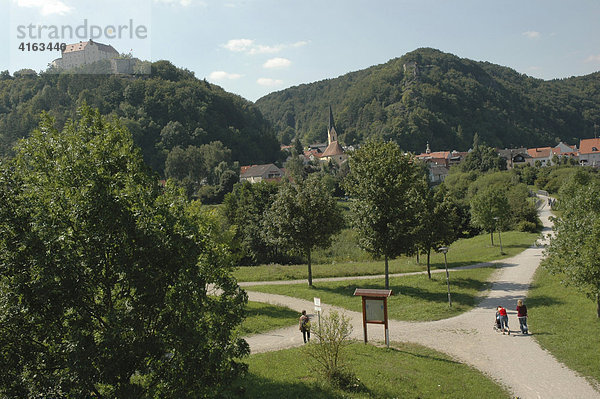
516, 361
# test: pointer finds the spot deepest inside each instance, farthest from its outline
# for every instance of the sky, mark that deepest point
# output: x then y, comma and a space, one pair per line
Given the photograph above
254, 47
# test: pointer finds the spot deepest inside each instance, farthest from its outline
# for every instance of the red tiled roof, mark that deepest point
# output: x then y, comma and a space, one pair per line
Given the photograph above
586, 146
542, 152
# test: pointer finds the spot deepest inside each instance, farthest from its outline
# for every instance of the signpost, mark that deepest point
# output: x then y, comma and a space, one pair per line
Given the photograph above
374, 306
317, 302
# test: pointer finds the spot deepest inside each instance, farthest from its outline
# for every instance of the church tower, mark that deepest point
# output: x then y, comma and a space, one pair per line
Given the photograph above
331, 133
334, 151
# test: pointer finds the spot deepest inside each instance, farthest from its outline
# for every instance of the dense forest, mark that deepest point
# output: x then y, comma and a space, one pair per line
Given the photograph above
167, 109
428, 95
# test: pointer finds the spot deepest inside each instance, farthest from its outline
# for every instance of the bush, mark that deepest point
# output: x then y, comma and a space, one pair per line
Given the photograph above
526, 226
327, 351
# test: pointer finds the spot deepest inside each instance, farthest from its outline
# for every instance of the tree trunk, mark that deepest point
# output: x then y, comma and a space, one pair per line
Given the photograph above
309, 269
492, 237
428, 267
598, 305
418, 260
387, 277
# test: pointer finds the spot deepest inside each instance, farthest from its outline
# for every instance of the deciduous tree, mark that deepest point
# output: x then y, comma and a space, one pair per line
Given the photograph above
382, 183
105, 279
303, 216
490, 210
574, 250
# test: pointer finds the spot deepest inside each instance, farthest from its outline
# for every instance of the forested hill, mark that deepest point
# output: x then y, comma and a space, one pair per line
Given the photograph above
428, 95
169, 108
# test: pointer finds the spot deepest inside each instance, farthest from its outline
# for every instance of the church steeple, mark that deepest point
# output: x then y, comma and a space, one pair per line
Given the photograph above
331, 133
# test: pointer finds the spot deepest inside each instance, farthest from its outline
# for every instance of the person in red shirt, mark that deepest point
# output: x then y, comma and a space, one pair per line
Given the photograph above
522, 315
503, 318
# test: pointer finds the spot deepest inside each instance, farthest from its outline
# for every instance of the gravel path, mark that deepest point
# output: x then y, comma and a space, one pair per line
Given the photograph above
516, 361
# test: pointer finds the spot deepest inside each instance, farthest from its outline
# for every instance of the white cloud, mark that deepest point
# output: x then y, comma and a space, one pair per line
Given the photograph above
269, 82
222, 75
300, 43
250, 46
239, 45
262, 49
183, 3
531, 34
277, 62
593, 58
46, 7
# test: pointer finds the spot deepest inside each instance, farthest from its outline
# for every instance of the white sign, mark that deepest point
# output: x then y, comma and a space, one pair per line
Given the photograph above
317, 301
317, 308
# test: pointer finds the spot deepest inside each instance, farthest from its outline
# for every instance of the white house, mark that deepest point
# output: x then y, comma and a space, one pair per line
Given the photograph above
258, 173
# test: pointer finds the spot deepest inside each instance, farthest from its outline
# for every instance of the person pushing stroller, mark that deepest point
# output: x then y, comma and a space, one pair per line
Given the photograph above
502, 320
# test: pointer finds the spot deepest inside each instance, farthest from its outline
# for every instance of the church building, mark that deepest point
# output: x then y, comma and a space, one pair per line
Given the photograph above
334, 150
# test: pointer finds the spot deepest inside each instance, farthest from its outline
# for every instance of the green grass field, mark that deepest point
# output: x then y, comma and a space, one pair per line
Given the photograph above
404, 371
463, 252
263, 317
564, 322
415, 298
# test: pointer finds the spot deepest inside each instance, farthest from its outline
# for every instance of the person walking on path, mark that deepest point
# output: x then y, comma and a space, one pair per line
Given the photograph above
503, 319
304, 326
522, 315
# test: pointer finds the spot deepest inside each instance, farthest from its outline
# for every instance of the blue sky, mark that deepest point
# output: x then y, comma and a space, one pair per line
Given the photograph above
253, 47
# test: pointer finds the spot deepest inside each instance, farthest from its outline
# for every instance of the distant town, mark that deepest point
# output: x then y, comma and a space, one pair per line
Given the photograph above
439, 162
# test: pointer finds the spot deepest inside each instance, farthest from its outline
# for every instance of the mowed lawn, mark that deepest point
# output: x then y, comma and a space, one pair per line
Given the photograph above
403, 371
564, 322
262, 317
415, 298
462, 252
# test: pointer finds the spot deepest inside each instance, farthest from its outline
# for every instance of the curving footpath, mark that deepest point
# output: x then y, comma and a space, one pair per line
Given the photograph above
516, 361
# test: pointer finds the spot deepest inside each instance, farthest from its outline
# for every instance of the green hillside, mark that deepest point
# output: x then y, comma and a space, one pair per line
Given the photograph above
166, 109
428, 95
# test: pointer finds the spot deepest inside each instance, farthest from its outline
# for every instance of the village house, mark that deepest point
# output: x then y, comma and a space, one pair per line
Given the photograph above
546, 154
589, 152
438, 163
516, 157
258, 173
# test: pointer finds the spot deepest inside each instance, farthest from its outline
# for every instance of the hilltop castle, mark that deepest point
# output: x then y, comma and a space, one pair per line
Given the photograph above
83, 53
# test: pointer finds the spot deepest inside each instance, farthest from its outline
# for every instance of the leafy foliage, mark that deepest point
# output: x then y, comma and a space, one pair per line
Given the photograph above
437, 217
302, 217
104, 278
382, 182
243, 209
573, 251
327, 350
430, 96
168, 109
490, 209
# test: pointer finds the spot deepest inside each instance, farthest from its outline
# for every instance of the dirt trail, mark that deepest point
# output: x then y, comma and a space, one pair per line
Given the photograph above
516, 361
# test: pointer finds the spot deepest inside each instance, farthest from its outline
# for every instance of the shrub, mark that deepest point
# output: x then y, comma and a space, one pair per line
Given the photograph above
327, 351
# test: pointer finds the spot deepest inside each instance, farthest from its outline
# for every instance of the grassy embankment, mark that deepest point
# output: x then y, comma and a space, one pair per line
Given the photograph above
404, 371
462, 252
564, 322
415, 297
